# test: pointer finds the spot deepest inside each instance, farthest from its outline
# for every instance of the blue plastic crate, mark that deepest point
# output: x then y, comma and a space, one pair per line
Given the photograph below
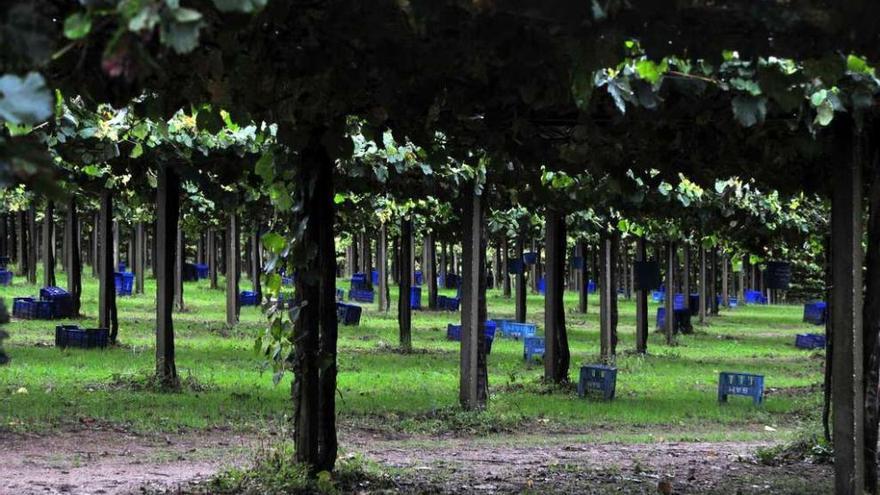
533, 347
361, 295
86, 338
732, 302
518, 330
122, 266
359, 282
530, 258
501, 325
453, 332
809, 341
448, 303
21, 306
754, 297
248, 298
542, 285
375, 277
202, 270
418, 277
815, 312
60, 303
30, 309
348, 314
747, 384
658, 296
190, 273
597, 378
124, 283
5, 277
682, 319
415, 297
591, 287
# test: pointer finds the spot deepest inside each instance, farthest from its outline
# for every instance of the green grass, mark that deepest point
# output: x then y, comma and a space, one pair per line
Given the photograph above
672, 389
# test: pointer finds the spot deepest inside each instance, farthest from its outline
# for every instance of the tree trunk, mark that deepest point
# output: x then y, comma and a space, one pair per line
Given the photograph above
725, 276
168, 257
713, 282
704, 290
74, 263
314, 385
32, 244
107, 286
96, 243
686, 271
846, 301
382, 264
179, 260
115, 245
533, 270
505, 276
395, 261
257, 265
212, 258
404, 311
556, 353
670, 292
429, 273
520, 284
608, 300
140, 252
583, 279
200, 249
641, 305
871, 318
496, 267
23, 259
474, 378
233, 271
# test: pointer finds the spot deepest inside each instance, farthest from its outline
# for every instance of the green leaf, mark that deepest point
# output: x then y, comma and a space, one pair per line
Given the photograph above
77, 26
749, 110
25, 101
819, 97
858, 65
824, 113
265, 167
273, 242
186, 15
182, 37
273, 283
649, 71
137, 151
339, 198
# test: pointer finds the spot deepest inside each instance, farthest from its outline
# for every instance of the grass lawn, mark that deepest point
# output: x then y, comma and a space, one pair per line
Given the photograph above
671, 393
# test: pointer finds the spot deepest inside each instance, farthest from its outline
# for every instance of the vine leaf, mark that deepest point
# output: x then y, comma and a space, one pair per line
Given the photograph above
25, 100
749, 110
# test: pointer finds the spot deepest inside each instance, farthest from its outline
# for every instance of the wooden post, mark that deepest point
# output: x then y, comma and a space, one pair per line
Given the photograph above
32, 244
314, 387
505, 276
725, 275
167, 255
233, 271
140, 252
404, 310
382, 263
474, 377
74, 263
686, 272
106, 284
179, 260
704, 290
582, 278
670, 292
23, 260
212, 258
641, 305
607, 300
520, 284
846, 301
429, 272
48, 245
257, 264
556, 352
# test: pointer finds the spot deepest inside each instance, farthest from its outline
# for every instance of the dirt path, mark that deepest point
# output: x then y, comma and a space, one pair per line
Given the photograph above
566, 464
104, 461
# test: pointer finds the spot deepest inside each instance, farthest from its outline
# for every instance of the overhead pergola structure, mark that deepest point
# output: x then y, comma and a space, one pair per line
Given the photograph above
514, 80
